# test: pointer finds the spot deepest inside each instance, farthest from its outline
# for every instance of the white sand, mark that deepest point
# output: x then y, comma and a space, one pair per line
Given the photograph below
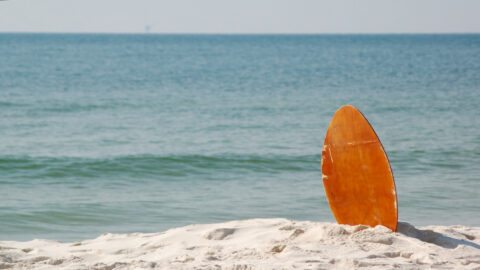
258, 244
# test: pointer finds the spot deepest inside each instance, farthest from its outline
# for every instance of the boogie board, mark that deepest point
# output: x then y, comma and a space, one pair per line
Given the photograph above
356, 174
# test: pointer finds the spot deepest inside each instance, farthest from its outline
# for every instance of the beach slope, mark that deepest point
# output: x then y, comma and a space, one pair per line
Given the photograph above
258, 244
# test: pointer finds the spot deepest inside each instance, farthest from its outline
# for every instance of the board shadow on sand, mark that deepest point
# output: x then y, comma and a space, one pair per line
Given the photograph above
436, 238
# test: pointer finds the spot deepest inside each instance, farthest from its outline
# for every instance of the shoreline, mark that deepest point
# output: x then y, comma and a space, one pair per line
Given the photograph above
257, 244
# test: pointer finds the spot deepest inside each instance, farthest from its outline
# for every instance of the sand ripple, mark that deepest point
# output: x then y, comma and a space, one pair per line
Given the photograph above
258, 244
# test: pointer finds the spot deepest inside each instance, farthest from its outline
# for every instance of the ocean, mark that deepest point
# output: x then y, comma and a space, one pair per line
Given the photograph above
142, 133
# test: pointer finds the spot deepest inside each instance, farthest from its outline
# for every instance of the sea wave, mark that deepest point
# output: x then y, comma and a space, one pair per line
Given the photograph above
151, 165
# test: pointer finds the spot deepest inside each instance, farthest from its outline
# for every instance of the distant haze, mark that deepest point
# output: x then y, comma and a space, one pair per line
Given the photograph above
246, 16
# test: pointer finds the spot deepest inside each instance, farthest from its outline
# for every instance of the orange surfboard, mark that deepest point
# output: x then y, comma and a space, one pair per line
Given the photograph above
357, 177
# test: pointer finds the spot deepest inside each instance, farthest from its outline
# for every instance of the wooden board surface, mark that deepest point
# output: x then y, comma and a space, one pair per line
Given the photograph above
357, 177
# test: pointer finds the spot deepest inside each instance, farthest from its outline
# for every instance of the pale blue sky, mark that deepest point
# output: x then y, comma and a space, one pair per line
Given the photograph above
242, 16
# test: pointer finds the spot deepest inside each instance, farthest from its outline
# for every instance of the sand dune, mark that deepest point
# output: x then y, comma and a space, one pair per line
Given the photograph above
258, 244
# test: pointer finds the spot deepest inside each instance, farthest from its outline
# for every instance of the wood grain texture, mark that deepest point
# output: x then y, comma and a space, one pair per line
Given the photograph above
357, 177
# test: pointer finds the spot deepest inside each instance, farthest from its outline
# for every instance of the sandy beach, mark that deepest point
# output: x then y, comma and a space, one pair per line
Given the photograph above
258, 244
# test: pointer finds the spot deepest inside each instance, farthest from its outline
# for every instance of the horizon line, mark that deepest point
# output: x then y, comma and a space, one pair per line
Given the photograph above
242, 33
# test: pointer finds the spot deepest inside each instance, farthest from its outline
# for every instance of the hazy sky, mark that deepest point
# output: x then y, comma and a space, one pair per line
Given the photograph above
241, 16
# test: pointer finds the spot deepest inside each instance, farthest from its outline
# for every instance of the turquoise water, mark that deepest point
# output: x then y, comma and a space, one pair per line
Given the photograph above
127, 133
